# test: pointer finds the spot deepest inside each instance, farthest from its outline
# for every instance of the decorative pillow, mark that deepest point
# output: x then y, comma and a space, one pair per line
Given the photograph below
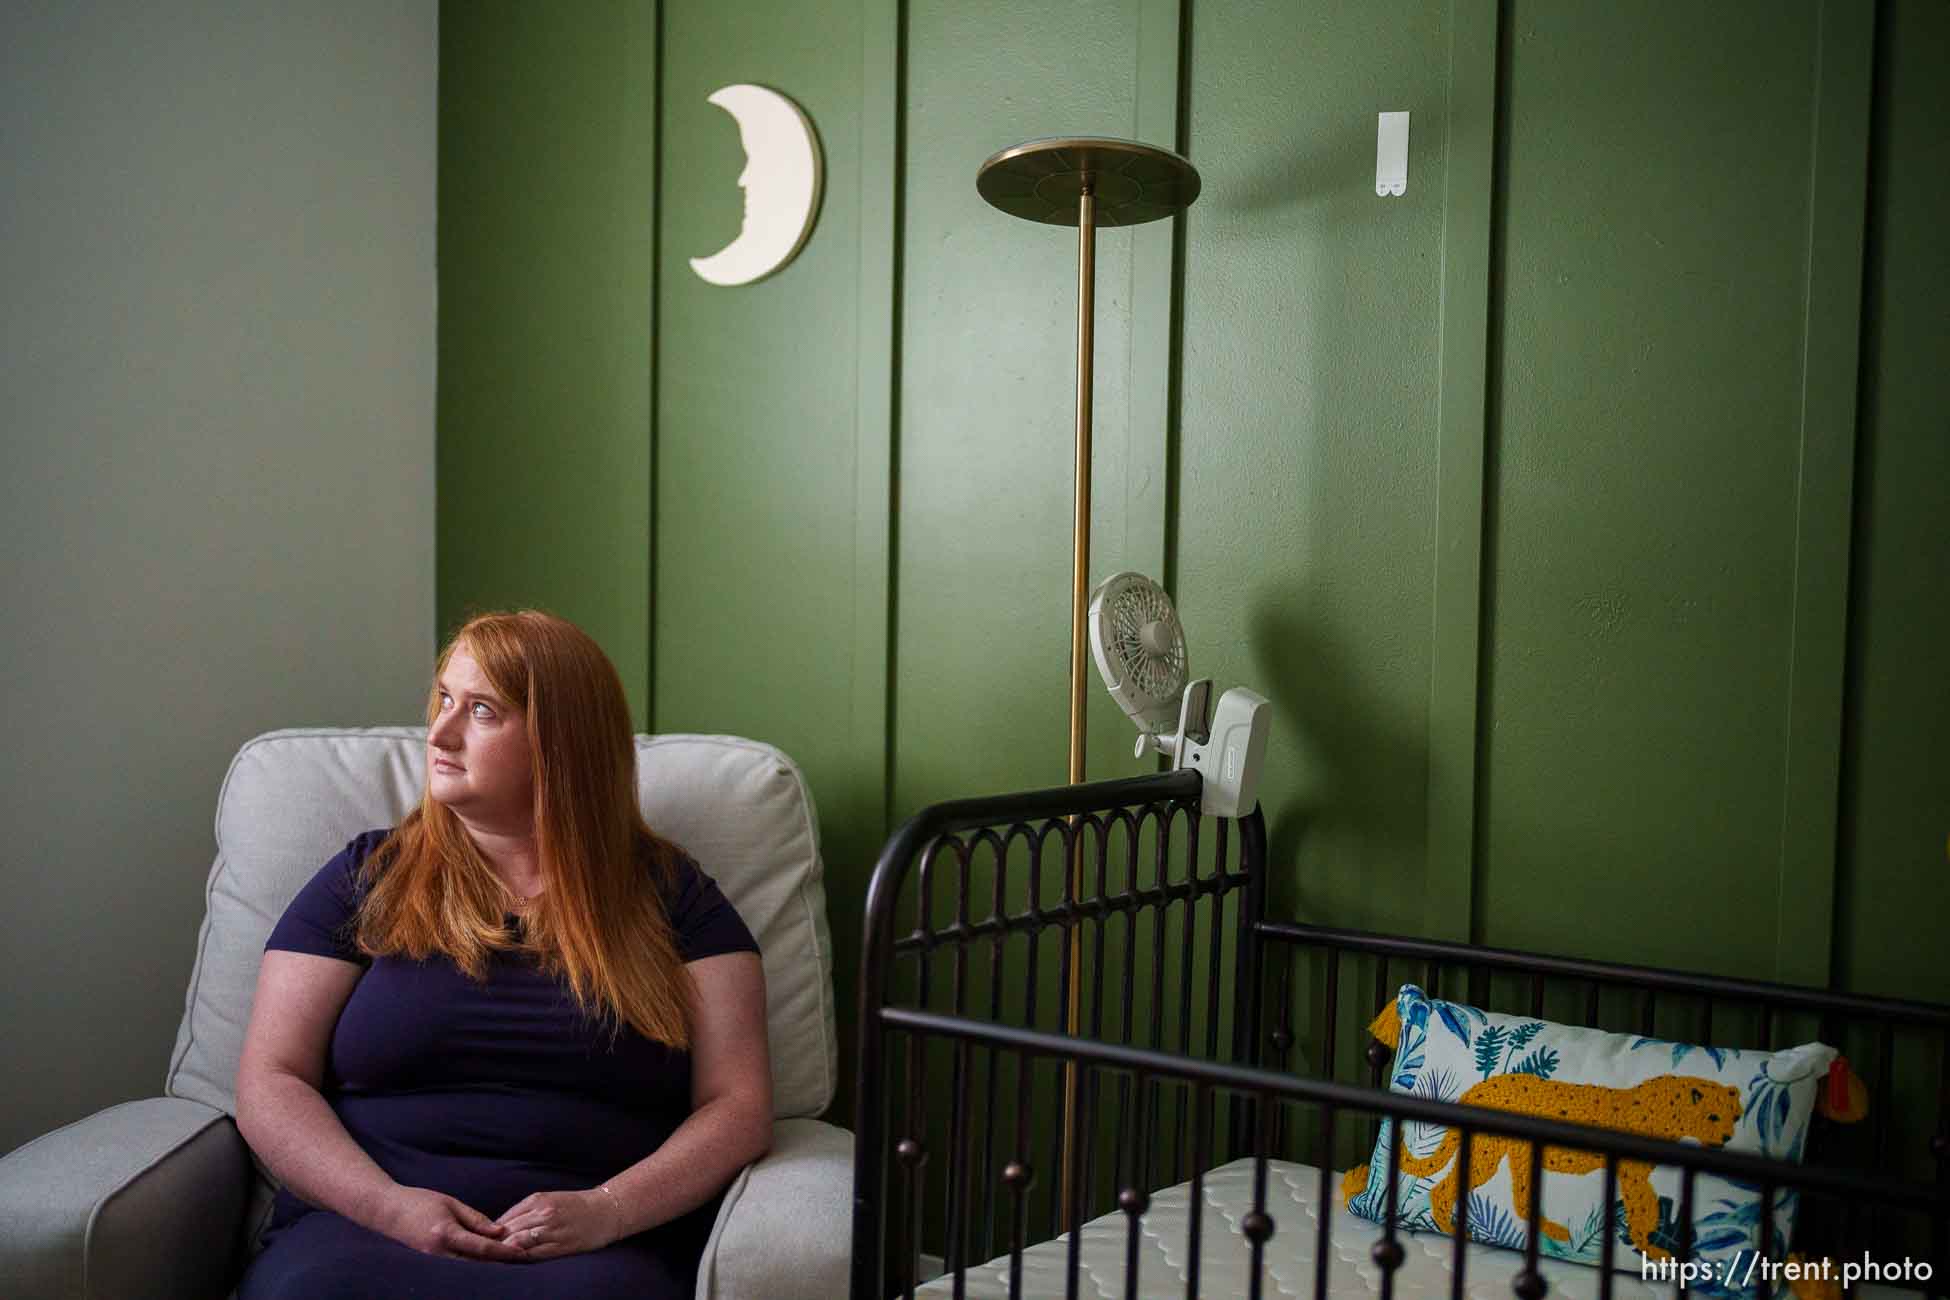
1752, 1101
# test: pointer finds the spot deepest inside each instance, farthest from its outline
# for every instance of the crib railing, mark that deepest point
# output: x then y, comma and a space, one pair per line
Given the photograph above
1906, 1132
997, 1107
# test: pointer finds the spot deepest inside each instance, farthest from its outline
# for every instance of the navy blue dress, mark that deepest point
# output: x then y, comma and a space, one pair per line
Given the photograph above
487, 1093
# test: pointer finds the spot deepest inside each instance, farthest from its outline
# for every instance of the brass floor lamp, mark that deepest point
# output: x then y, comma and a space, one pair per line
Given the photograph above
1087, 182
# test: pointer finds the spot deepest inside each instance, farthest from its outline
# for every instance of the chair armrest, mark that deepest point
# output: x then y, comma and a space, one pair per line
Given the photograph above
786, 1225
141, 1200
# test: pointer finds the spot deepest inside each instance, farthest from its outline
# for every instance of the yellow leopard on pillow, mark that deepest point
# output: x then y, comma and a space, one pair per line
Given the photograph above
1669, 1106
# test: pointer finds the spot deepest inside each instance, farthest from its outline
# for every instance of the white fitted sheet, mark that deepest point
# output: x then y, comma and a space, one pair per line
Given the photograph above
1293, 1201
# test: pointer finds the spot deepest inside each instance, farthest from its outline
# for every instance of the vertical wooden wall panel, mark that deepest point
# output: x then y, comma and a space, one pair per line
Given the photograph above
771, 498
547, 195
1455, 629
1656, 217
1824, 490
853, 803
987, 391
1894, 891
881, 107
1147, 466
1307, 463
758, 420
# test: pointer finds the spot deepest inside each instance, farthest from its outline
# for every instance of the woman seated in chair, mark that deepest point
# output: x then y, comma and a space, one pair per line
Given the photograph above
516, 1045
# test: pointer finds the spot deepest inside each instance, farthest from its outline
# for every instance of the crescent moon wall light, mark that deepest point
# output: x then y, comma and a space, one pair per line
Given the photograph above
782, 180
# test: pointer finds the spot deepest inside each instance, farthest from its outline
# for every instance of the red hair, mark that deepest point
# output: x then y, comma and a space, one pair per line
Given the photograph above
601, 924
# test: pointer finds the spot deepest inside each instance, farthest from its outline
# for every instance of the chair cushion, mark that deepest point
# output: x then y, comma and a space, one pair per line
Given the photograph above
293, 798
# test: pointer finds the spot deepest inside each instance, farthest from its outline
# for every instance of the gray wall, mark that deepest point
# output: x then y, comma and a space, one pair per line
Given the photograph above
216, 500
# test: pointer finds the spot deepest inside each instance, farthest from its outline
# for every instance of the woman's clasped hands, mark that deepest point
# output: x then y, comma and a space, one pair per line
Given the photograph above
548, 1224
542, 1225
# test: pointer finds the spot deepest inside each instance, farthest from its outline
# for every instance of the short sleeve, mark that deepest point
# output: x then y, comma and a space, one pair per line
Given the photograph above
704, 919
319, 920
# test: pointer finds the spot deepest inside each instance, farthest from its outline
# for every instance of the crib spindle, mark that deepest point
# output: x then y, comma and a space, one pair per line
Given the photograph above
1134, 1200
1608, 1247
1063, 1191
1333, 1015
1100, 924
1016, 1177
1187, 935
1160, 913
1324, 1218
1766, 1244
1529, 1283
1885, 1096
1282, 1035
1025, 1064
1591, 1005
1201, 1150
998, 910
1684, 1254
907, 1153
1125, 1165
1388, 1253
1073, 1271
956, 1247
911, 1151
1457, 1265
1215, 952
1258, 1225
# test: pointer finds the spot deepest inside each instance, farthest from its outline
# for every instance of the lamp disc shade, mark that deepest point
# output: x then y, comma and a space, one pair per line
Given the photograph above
1042, 180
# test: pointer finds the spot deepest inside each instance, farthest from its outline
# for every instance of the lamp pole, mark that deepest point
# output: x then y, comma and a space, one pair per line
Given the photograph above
1089, 181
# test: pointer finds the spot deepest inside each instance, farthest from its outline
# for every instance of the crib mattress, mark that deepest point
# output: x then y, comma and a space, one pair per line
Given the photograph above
1293, 1201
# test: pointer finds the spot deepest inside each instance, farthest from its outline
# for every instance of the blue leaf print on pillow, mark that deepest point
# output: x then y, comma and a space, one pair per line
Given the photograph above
1542, 1063
1493, 1225
1769, 1103
1721, 1239
1681, 1050
1489, 1050
1437, 1085
1519, 1039
1742, 1214
1457, 1024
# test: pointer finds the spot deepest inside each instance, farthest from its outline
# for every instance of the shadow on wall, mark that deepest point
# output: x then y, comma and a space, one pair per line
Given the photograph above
1326, 172
1354, 786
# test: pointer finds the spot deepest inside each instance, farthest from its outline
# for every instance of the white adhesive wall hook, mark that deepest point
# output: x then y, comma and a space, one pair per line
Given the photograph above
1391, 154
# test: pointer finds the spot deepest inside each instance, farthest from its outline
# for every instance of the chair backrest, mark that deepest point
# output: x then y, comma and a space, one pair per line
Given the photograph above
293, 798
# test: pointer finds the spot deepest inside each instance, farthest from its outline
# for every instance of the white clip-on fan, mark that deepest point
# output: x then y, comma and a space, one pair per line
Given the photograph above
1139, 647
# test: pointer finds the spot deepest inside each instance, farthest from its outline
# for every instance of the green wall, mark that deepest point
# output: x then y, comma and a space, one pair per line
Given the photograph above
1580, 510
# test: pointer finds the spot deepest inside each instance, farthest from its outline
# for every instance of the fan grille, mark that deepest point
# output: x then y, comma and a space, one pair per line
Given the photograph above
1157, 672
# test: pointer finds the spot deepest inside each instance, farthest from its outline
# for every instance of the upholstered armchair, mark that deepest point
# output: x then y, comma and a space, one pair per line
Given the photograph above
162, 1198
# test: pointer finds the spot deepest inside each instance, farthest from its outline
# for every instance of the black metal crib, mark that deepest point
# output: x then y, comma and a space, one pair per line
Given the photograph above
997, 1108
